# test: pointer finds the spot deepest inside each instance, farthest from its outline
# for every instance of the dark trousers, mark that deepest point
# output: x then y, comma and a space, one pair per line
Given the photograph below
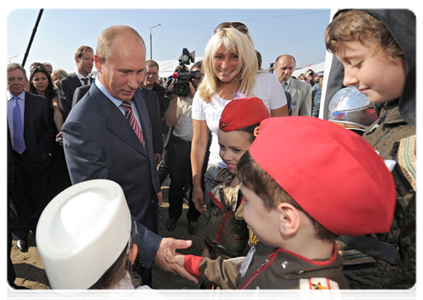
29, 189
163, 167
11, 275
179, 166
58, 175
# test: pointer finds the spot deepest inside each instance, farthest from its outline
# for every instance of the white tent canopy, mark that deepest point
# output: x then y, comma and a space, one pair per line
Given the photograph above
320, 67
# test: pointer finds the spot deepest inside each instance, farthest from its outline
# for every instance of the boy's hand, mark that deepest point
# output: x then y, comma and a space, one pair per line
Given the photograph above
179, 259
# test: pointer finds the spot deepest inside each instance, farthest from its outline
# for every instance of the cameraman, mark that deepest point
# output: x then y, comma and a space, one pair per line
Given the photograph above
178, 115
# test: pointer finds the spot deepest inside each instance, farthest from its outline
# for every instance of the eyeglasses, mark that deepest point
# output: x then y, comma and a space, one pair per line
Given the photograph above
241, 27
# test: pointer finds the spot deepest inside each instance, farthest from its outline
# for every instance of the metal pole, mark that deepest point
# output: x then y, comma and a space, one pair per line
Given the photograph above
32, 36
151, 41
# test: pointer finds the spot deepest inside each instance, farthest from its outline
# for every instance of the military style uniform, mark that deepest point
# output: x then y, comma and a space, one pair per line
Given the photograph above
227, 233
269, 268
389, 260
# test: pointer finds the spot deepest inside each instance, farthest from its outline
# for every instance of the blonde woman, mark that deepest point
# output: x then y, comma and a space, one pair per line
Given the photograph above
58, 75
230, 67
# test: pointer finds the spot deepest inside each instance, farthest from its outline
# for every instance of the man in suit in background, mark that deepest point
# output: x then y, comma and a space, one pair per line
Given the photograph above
150, 83
108, 135
67, 86
30, 137
301, 101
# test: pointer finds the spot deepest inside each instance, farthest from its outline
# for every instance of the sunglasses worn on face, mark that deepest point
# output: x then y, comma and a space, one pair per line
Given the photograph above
241, 27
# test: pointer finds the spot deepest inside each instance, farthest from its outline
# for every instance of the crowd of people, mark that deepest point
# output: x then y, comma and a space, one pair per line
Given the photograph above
292, 201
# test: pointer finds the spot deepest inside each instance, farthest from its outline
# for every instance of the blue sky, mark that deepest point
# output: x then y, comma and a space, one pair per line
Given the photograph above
60, 33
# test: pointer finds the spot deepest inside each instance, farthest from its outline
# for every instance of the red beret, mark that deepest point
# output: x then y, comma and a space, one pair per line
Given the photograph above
241, 113
331, 172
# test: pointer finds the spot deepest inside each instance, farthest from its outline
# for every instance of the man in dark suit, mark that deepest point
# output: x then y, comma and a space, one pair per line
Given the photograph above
150, 83
153, 109
12, 290
108, 135
67, 86
30, 136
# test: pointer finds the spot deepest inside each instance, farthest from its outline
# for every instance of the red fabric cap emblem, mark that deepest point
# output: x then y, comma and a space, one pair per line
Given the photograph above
241, 113
331, 172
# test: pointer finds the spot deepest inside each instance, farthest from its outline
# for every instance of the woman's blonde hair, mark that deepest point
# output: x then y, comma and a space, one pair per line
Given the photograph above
236, 42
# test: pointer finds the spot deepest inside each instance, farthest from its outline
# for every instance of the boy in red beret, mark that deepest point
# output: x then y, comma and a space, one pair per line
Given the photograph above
298, 207
227, 233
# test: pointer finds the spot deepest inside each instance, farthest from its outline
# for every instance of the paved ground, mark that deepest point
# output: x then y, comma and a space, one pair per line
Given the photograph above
30, 270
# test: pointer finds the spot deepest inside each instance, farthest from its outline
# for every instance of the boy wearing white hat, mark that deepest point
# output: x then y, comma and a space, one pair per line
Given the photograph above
86, 238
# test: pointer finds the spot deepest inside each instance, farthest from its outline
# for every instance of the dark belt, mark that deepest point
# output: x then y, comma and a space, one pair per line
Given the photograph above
373, 247
178, 140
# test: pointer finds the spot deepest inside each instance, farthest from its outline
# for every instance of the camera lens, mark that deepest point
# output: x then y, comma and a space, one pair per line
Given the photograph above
181, 89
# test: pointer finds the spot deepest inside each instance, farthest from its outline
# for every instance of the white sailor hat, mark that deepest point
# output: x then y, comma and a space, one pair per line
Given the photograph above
82, 232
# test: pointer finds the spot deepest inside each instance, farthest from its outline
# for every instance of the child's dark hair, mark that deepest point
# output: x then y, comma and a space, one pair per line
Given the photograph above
250, 129
253, 177
356, 25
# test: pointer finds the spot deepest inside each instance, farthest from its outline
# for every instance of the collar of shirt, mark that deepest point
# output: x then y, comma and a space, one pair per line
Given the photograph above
123, 288
10, 104
288, 82
101, 87
115, 101
9, 96
80, 76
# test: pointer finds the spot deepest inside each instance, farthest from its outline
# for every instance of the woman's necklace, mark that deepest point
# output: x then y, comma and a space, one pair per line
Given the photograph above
227, 91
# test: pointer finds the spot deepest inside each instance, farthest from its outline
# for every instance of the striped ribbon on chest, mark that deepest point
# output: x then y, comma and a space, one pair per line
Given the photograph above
129, 115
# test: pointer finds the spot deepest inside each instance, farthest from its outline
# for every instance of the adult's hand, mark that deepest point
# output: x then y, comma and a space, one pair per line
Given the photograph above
160, 198
157, 158
165, 257
198, 199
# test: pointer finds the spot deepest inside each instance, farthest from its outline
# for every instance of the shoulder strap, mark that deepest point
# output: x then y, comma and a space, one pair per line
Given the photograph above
373, 247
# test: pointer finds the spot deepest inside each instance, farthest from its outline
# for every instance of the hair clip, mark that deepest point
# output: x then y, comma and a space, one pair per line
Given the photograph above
256, 131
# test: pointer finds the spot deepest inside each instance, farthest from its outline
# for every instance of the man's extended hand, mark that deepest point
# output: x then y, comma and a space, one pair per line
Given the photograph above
166, 253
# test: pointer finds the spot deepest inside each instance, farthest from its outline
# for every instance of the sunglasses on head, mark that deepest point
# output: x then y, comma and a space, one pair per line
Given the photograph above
241, 27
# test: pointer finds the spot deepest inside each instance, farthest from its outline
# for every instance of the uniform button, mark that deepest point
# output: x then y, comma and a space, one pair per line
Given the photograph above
236, 237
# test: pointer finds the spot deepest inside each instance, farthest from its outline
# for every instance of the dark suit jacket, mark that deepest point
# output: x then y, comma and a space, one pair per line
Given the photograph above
163, 104
153, 108
100, 143
79, 93
67, 87
38, 134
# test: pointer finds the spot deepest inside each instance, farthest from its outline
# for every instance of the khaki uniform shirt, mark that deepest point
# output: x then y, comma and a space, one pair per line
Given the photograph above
269, 268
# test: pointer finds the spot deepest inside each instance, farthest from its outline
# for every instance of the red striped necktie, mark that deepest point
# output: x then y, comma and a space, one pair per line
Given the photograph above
129, 115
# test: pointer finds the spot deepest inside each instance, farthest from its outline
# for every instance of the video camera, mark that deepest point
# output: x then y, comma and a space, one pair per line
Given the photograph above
182, 77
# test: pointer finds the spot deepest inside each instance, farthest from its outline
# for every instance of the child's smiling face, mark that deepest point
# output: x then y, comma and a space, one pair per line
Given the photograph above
379, 78
233, 145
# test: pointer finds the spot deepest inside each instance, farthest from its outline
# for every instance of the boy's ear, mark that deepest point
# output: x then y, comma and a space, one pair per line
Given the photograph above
133, 252
289, 219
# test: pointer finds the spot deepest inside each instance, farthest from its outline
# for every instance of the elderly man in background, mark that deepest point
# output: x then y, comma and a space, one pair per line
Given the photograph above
301, 101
